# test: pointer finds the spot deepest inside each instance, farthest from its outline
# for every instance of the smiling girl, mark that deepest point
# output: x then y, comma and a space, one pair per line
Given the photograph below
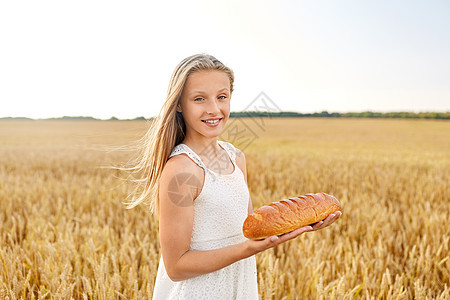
198, 189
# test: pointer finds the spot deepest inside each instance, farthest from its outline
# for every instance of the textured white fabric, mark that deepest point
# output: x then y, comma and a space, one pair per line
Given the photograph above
219, 212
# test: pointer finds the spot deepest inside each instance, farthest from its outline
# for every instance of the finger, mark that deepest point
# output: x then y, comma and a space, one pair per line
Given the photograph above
271, 241
328, 220
318, 225
300, 230
294, 233
333, 217
274, 240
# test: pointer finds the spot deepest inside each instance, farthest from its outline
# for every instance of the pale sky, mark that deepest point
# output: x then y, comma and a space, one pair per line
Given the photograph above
115, 58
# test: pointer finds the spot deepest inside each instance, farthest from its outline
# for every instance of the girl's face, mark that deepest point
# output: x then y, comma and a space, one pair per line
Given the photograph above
206, 96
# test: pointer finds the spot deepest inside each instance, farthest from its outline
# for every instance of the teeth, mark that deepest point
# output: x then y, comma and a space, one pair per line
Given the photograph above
212, 122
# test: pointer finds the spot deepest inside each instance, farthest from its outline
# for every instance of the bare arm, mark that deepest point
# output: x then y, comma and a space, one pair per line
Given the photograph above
176, 197
176, 221
242, 164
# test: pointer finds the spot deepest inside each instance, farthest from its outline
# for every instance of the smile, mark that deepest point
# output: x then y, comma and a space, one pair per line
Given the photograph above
212, 122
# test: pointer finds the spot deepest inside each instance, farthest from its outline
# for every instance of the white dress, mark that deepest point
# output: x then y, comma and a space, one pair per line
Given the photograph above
219, 213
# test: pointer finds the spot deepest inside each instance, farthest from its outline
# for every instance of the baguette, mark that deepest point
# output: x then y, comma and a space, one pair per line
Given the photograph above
286, 215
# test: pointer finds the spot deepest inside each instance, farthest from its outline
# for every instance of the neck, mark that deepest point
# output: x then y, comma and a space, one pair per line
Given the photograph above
203, 147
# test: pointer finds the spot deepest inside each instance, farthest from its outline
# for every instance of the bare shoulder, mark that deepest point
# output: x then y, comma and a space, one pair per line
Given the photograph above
182, 172
180, 162
240, 155
240, 161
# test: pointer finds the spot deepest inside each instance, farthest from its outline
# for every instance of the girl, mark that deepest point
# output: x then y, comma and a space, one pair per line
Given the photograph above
198, 187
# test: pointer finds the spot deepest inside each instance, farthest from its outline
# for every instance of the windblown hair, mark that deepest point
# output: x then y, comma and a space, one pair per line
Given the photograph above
166, 131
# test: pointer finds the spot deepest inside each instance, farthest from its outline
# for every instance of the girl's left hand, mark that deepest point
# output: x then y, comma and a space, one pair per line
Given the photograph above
316, 226
328, 221
255, 246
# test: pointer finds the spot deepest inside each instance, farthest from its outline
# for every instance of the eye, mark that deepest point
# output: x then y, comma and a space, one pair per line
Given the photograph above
224, 97
198, 98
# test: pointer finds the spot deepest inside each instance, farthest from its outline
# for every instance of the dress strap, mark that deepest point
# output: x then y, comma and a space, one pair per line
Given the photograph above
230, 149
182, 148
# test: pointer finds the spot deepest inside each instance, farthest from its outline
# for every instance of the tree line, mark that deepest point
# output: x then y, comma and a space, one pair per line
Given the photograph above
326, 114
285, 114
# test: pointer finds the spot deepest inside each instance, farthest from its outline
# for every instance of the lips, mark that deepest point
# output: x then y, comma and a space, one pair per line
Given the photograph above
211, 120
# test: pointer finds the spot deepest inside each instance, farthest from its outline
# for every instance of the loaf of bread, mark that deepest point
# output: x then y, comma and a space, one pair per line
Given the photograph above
287, 215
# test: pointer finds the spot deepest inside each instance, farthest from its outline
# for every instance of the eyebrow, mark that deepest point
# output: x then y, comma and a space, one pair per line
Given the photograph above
200, 92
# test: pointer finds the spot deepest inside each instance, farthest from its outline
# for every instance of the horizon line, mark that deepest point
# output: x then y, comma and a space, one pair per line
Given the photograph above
323, 112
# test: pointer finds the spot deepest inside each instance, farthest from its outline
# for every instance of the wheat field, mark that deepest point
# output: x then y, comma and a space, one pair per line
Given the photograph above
64, 232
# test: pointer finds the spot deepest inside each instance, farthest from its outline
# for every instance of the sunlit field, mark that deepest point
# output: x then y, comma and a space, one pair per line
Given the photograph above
64, 232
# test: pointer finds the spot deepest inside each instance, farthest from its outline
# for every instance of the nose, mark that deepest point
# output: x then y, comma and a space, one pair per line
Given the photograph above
213, 107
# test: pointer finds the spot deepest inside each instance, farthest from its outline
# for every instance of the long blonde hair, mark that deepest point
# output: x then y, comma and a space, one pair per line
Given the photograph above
166, 131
